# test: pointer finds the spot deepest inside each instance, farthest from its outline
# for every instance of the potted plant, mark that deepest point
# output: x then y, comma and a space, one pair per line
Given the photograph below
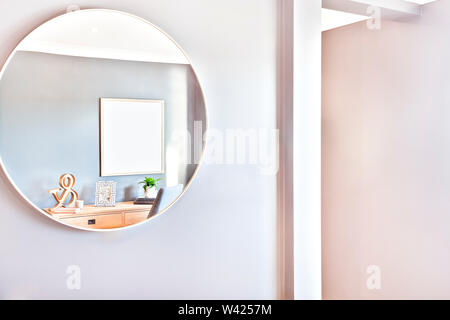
150, 187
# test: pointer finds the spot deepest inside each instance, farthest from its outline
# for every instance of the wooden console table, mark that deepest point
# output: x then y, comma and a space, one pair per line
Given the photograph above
123, 214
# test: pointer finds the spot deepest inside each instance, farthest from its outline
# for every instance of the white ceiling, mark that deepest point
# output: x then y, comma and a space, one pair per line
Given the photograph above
120, 36
338, 13
332, 19
104, 34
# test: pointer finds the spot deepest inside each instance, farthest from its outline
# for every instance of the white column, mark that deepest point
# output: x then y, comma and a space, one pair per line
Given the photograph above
307, 148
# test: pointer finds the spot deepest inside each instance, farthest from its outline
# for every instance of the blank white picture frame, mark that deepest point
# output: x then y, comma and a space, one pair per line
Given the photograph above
131, 137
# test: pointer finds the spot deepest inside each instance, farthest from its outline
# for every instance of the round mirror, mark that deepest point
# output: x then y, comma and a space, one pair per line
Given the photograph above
101, 120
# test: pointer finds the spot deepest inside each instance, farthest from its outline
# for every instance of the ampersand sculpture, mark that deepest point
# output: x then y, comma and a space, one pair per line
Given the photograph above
66, 181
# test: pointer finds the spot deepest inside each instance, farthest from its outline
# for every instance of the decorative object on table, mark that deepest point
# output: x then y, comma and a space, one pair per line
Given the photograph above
155, 207
165, 197
150, 187
61, 195
79, 204
134, 125
105, 194
144, 201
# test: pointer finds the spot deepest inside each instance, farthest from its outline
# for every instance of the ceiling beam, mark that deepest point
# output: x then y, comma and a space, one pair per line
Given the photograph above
394, 5
390, 9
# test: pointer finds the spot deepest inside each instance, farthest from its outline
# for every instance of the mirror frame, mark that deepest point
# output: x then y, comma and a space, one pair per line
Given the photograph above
204, 138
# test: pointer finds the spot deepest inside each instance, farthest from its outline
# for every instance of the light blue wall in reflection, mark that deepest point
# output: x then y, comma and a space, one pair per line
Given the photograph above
49, 118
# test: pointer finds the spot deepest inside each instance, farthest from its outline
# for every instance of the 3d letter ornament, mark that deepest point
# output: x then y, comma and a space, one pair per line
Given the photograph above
66, 181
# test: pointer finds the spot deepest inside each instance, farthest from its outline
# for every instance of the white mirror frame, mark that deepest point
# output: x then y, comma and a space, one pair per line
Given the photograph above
3, 168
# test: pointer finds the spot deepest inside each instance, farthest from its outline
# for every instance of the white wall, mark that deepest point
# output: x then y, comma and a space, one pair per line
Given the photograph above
219, 240
386, 156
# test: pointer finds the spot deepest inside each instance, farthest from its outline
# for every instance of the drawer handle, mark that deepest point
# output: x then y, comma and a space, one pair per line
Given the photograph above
92, 221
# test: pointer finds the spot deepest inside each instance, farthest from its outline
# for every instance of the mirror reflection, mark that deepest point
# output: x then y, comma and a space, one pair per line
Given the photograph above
101, 120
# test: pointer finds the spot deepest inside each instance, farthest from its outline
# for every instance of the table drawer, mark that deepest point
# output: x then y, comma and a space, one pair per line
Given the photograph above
106, 221
135, 217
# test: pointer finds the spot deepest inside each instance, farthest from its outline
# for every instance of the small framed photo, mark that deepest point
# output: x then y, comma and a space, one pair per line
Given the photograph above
105, 194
